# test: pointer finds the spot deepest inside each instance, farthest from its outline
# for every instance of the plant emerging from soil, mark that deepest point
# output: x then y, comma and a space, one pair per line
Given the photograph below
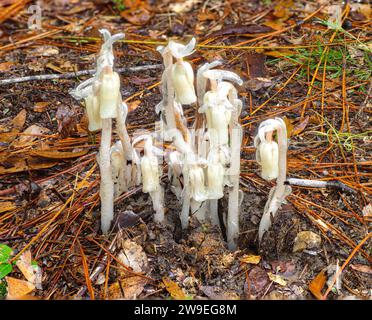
272, 156
203, 160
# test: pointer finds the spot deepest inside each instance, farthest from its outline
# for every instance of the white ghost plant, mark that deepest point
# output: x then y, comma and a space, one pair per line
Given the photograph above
272, 157
151, 175
102, 97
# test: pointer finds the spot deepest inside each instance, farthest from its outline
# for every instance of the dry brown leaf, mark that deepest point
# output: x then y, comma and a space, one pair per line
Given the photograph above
282, 9
54, 154
306, 240
136, 12
255, 65
18, 288
19, 120
258, 83
25, 164
276, 24
31, 272
133, 286
299, 127
133, 256
361, 268
29, 135
250, 259
258, 279
364, 9
317, 284
41, 106
277, 279
174, 290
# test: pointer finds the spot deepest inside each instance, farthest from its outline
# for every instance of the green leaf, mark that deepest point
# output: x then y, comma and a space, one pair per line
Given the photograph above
5, 269
5, 253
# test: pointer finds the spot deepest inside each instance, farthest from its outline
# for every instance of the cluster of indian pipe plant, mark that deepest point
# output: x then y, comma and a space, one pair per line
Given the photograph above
203, 158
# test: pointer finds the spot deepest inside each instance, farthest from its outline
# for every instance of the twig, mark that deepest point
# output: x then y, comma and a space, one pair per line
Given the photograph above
320, 184
338, 273
99, 268
69, 75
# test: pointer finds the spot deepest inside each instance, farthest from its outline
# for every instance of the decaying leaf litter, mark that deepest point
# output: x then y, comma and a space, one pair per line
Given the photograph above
307, 62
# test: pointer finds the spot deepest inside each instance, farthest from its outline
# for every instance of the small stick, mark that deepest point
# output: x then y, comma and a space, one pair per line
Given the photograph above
320, 184
69, 75
99, 268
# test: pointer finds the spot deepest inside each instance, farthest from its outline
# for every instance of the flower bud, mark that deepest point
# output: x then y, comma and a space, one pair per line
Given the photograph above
215, 174
196, 176
218, 117
109, 94
268, 159
183, 79
220, 123
92, 107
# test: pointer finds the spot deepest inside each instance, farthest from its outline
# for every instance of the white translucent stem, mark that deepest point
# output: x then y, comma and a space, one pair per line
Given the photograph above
280, 190
213, 212
232, 228
157, 202
107, 185
122, 111
184, 217
169, 107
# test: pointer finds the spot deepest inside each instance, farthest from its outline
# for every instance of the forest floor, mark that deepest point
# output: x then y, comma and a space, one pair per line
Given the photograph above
308, 62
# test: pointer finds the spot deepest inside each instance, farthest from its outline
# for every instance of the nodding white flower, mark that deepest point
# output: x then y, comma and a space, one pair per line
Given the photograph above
182, 72
197, 183
179, 50
92, 107
106, 54
217, 108
219, 75
149, 165
109, 93
183, 79
267, 150
215, 174
150, 174
268, 158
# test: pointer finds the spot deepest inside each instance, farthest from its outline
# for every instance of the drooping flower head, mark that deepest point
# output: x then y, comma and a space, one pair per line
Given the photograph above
267, 150
149, 164
101, 92
217, 104
215, 175
182, 72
